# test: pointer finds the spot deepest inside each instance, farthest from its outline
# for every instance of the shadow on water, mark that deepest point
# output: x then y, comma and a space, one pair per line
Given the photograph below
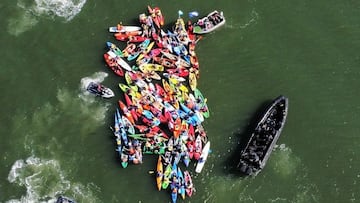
242, 137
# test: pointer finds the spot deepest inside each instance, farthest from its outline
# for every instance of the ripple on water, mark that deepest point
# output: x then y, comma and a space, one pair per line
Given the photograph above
44, 181
28, 14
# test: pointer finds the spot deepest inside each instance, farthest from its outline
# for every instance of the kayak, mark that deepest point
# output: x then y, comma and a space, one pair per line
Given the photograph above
124, 28
114, 49
202, 103
129, 127
203, 157
159, 173
166, 179
192, 81
112, 64
189, 187
157, 16
127, 113
181, 182
119, 61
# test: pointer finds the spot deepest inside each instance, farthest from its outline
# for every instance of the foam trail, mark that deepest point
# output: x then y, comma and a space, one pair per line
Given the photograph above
27, 14
254, 16
44, 180
66, 9
45, 122
285, 162
283, 166
21, 23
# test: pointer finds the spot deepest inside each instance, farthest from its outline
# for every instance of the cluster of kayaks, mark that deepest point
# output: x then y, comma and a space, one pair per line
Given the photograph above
162, 109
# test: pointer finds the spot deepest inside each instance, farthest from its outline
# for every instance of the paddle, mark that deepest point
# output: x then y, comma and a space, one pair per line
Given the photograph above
193, 14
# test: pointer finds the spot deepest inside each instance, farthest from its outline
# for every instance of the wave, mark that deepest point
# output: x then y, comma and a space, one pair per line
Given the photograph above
253, 18
53, 126
38, 134
44, 180
285, 163
28, 13
22, 22
283, 167
66, 9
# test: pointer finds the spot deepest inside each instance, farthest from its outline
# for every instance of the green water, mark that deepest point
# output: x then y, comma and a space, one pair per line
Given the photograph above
55, 140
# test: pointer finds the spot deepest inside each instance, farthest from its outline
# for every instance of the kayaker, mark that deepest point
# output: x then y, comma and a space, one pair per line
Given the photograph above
99, 88
131, 149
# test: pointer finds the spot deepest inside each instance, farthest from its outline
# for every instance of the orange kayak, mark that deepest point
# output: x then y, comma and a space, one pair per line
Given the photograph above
159, 173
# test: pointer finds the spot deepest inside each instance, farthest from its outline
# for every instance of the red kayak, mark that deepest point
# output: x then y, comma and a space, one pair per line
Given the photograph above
137, 38
189, 187
123, 36
157, 16
131, 107
179, 71
126, 112
190, 32
113, 65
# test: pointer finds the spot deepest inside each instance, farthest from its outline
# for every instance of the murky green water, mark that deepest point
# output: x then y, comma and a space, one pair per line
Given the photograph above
55, 140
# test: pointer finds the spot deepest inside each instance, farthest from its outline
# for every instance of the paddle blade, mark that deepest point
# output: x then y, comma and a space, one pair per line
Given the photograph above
193, 14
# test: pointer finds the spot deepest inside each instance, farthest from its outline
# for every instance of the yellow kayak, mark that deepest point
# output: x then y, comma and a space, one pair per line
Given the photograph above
192, 81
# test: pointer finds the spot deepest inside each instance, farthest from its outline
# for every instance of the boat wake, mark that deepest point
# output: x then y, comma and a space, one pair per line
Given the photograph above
254, 16
27, 14
66, 9
44, 180
285, 163
283, 167
46, 133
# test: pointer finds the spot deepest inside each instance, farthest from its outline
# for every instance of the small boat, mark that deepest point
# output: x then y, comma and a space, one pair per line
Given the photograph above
203, 157
209, 23
262, 141
63, 199
100, 90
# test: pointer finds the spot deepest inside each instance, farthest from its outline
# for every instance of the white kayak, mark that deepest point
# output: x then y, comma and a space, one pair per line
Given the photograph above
203, 157
119, 61
124, 28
